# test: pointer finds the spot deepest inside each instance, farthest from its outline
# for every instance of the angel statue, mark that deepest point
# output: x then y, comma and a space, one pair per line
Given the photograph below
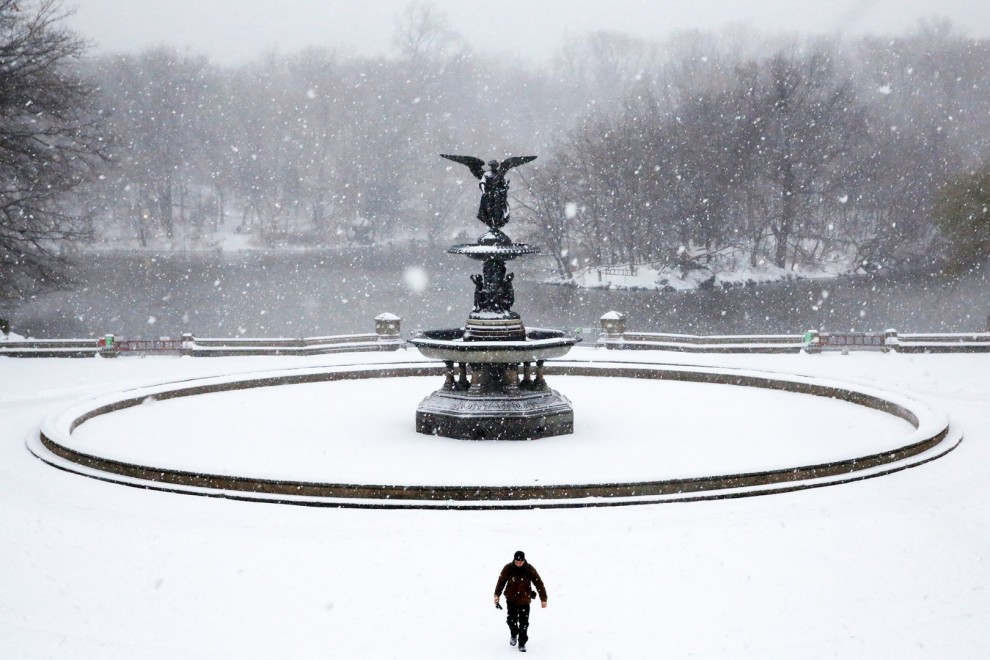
494, 208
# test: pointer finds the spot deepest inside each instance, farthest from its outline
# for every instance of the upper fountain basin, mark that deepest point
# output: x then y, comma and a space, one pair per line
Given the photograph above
504, 252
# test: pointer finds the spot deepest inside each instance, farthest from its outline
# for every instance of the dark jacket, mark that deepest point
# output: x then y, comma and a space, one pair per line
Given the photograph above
516, 580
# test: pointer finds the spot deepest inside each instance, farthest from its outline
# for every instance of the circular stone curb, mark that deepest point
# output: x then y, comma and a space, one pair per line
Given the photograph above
932, 438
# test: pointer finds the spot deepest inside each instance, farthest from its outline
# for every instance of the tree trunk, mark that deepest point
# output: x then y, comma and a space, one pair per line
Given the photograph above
221, 208
787, 212
165, 208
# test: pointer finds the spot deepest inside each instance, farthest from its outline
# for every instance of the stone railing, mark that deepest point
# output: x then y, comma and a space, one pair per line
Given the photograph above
965, 342
387, 337
49, 347
614, 336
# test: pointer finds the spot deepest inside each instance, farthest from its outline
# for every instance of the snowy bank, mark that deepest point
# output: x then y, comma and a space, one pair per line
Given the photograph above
692, 269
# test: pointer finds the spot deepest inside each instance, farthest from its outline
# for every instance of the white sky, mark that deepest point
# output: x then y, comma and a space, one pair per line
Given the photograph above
229, 31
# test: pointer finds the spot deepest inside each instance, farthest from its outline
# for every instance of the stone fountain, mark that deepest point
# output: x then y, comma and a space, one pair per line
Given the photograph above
494, 387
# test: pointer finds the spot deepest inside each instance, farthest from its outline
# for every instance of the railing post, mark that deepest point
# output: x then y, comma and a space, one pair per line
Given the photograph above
890, 340
388, 327
107, 348
188, 344
613, 326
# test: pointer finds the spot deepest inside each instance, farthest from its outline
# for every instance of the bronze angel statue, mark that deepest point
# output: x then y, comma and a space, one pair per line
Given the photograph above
494, 208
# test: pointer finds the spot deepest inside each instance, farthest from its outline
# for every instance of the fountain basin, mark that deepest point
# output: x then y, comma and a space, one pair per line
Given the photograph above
504, 252
450, 346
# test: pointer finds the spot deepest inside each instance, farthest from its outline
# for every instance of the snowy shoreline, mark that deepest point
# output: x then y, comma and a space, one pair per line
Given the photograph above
623, 277
666, 279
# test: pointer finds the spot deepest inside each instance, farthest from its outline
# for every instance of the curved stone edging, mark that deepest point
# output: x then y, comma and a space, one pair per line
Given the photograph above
932, 438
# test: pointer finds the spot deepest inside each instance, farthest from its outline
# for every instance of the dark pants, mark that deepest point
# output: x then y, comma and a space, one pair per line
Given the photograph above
518, 620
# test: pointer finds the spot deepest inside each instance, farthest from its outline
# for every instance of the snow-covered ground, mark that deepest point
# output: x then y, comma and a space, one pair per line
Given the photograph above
370, 438
892, 567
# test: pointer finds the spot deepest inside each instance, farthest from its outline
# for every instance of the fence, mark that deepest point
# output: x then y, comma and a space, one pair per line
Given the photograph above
163, 346
387, 337
613, 336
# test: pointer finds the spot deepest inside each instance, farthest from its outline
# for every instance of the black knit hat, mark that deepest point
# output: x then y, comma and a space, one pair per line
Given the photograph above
519, 555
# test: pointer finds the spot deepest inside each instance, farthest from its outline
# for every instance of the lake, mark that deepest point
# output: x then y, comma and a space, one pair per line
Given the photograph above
305, 294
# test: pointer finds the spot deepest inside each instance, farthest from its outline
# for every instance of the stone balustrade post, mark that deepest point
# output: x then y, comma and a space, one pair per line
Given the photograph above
388, 327
890, 340
107, 346
613, 326
188, 343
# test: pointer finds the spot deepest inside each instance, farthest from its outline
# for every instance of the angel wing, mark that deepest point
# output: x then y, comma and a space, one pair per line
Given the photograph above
514, 161
476, 165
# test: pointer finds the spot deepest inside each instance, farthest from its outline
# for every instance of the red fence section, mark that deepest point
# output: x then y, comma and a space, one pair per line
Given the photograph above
163, 345
851, 340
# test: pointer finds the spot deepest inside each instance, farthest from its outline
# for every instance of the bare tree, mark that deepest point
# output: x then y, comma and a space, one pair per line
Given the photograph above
315, 94
931, 114
807, 120
50, 142
154, 101
755, 162
601, 68
551, 215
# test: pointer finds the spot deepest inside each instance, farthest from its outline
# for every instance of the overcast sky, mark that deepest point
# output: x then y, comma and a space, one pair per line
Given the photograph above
230, 31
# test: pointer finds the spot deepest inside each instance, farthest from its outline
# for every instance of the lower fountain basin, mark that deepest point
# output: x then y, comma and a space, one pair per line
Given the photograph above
449, 345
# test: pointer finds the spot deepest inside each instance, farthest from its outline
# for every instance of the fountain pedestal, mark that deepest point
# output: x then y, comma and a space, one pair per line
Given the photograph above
494, 387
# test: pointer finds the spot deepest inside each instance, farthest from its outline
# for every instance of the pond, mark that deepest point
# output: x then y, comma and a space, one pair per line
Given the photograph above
305, 294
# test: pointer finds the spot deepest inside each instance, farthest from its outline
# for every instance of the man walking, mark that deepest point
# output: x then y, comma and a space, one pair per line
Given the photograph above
516, 578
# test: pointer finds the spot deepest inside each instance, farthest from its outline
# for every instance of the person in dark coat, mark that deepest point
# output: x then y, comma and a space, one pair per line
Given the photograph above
515, 579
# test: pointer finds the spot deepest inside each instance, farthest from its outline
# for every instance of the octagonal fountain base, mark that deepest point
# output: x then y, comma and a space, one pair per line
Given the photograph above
511, 414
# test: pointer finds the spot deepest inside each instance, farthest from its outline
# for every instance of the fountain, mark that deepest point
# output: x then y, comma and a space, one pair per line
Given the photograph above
494, 388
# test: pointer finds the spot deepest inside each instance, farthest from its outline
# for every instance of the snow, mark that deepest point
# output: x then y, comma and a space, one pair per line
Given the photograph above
726, 268
891, 567
232, 433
